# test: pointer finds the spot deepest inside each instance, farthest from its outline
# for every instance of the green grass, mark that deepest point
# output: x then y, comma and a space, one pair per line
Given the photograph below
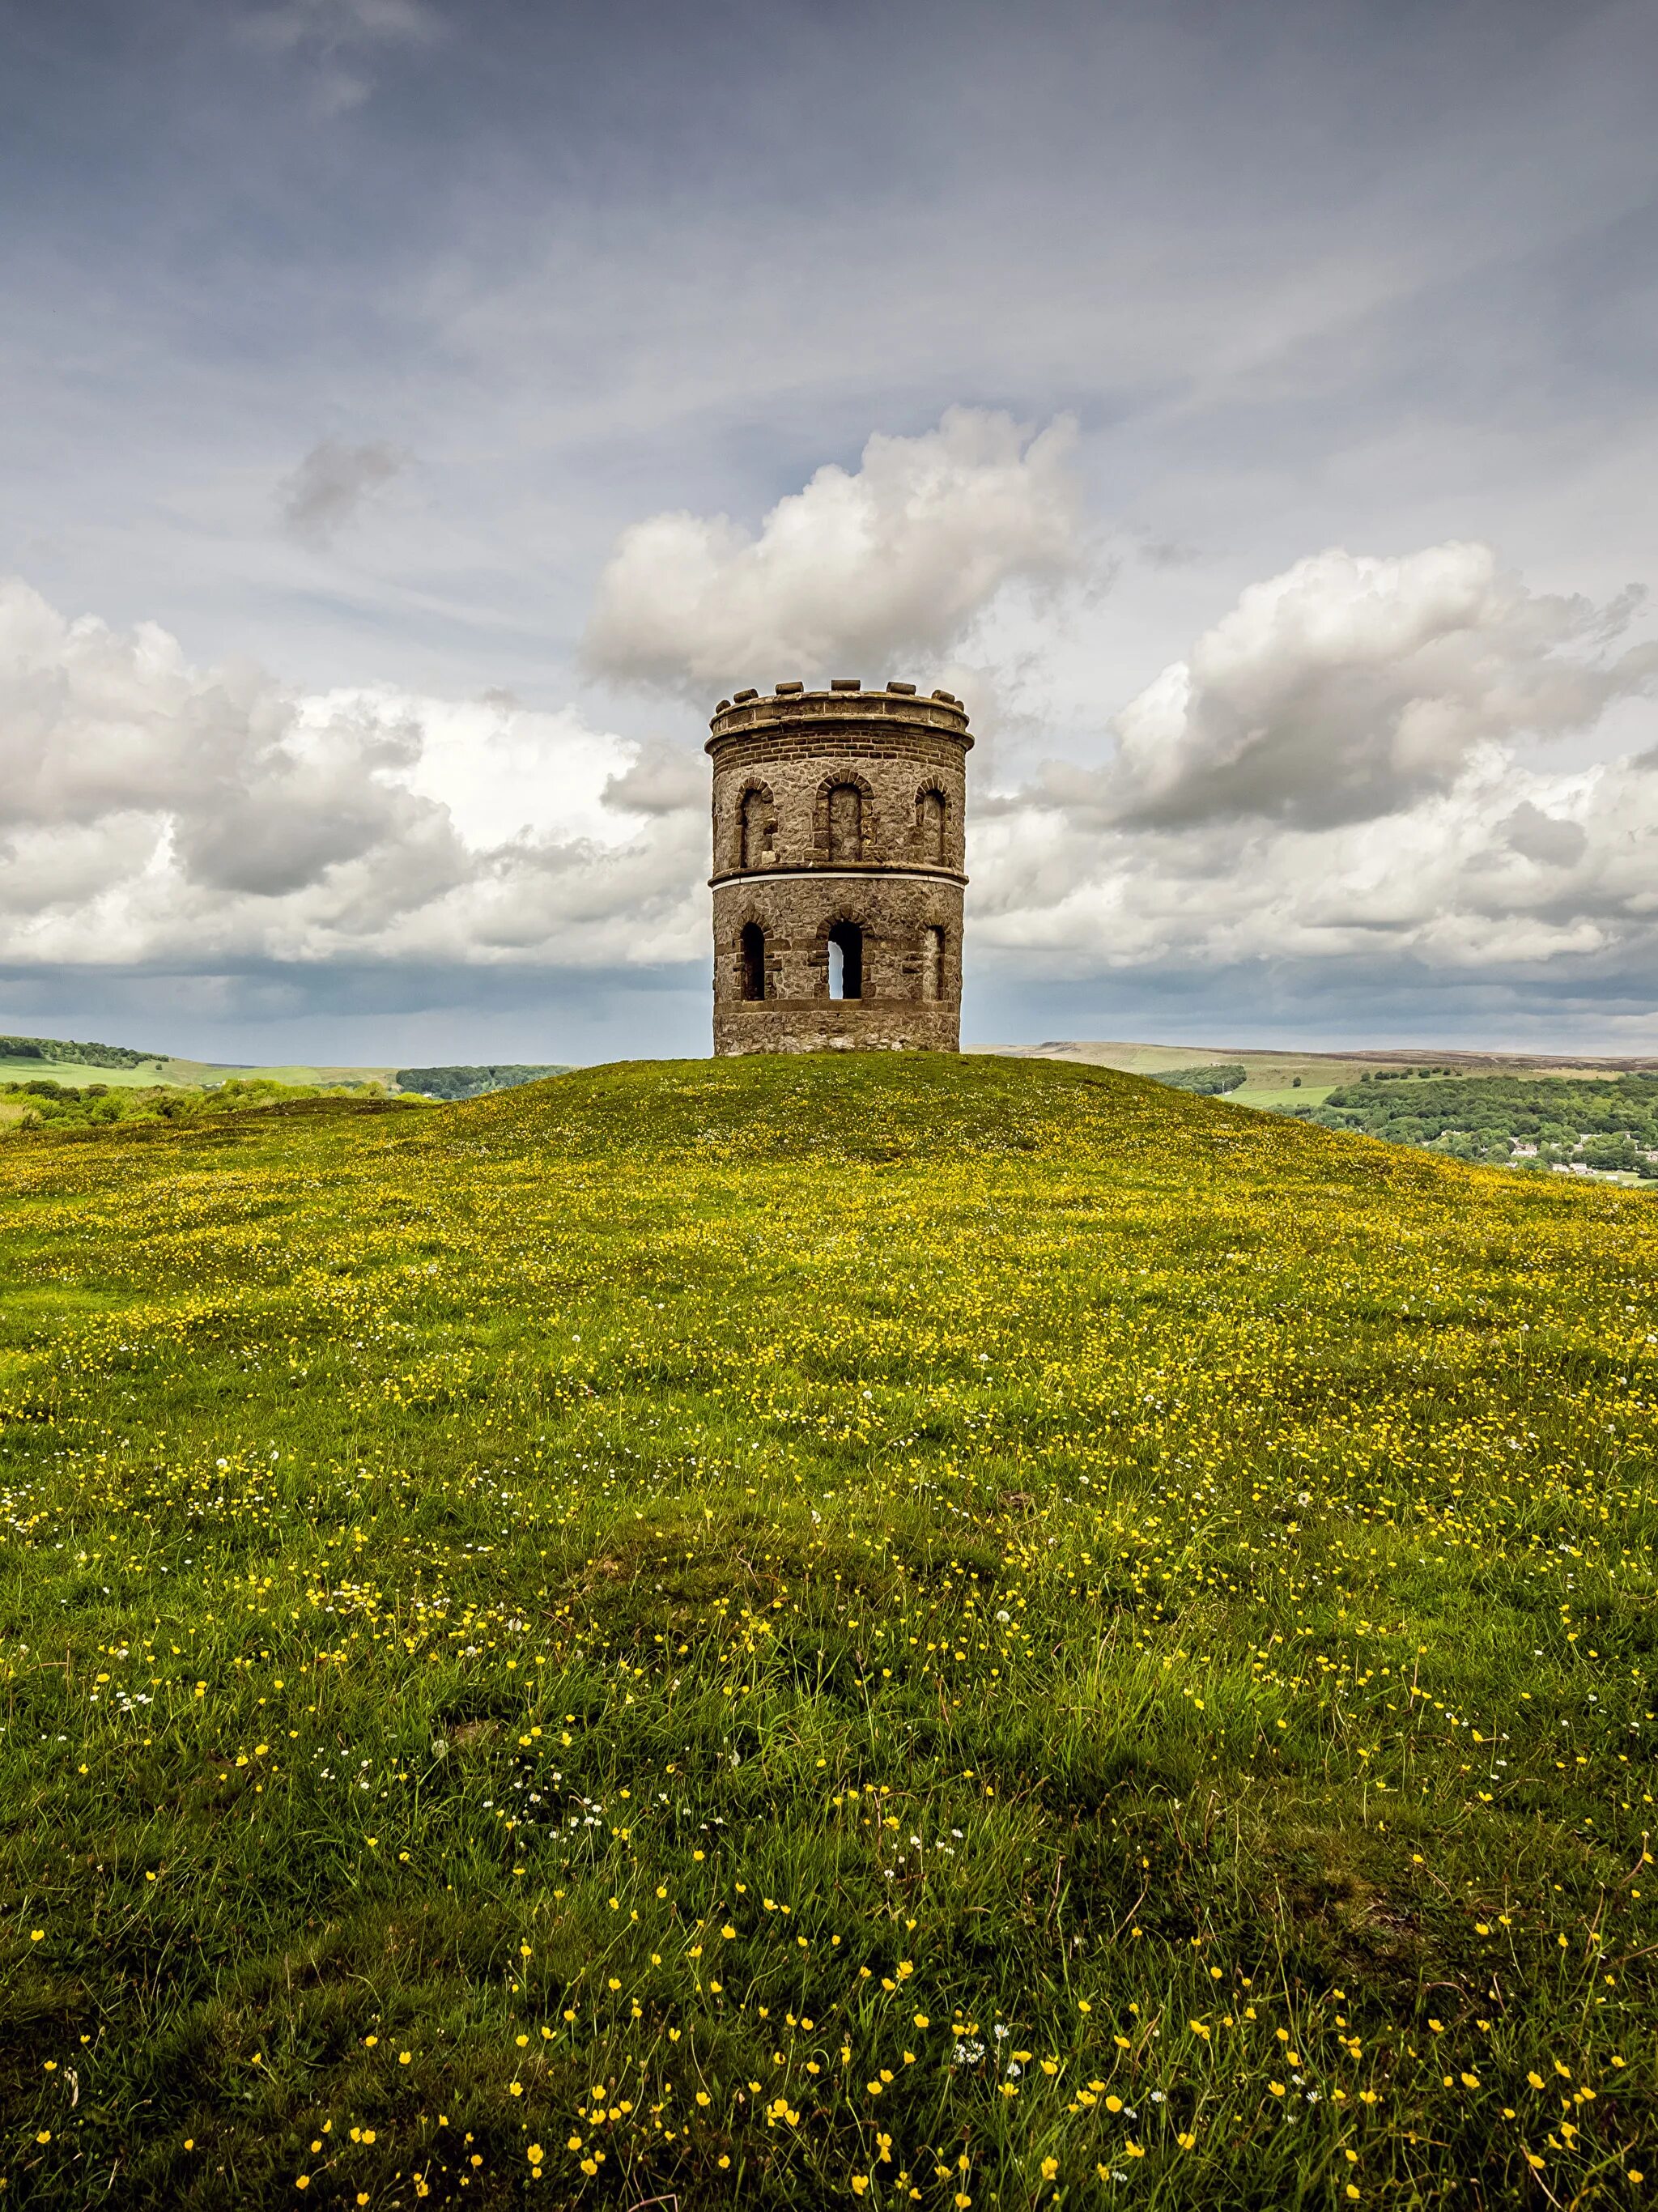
1278, 1097
13, 1069
789, 1583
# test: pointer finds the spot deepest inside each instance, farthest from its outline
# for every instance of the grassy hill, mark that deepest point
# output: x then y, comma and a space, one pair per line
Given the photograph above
969, 1632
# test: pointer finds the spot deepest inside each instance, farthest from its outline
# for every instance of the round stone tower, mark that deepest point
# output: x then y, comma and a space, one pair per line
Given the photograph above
838, 851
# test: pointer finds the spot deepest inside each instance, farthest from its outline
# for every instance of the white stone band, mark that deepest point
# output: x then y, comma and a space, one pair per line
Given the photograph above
877, 872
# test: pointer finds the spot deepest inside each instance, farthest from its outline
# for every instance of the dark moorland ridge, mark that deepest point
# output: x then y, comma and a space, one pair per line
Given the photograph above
1061, 1628
1385, 1055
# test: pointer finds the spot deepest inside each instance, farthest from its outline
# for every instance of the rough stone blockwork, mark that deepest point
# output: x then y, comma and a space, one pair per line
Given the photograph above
838, 845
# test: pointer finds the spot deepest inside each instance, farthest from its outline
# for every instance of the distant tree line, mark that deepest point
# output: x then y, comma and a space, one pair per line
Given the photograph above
56, 1050
469, 1082
1213, 1082
1502, 1119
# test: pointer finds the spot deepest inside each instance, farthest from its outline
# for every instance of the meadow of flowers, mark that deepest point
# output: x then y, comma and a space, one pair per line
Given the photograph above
909, 1632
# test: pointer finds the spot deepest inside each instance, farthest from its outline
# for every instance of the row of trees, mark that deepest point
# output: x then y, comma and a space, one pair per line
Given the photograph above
468, 1082
1213, 1082
1609, 1126
56, 1051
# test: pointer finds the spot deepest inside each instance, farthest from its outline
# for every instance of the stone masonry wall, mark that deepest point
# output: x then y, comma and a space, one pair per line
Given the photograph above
798, 1014
799, 772
777, 759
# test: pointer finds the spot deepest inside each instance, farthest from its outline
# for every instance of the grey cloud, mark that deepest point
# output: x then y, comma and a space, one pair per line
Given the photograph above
287, 831
94, 722
338, 37
292, 812
332, 482
400, 1012
1545, 837
665, 778
48, 872
330, 23
1509, 868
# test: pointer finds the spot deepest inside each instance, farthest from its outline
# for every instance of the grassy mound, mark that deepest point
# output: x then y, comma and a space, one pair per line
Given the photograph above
960, 1632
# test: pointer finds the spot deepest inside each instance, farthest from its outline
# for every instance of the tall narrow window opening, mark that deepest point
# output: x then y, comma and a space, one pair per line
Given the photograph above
932, 963
846, 821
930, 814
846, 960
752, 948
759, 829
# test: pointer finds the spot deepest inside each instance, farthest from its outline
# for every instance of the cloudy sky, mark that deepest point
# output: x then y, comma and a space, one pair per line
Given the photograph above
416, 414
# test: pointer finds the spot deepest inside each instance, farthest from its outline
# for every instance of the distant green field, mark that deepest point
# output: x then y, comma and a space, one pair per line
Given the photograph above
14, 1070
55, 1063
298, 1072
798, 1631
189, 1074
1277, 1099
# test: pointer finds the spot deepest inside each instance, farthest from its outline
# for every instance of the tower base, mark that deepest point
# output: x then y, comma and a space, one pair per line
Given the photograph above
835, 1025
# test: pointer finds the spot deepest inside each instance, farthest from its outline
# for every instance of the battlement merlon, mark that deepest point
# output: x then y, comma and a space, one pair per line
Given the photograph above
838, 706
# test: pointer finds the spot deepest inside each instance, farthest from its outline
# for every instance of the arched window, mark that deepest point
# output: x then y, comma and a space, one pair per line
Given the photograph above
845, 825
932, 963
759, 828
752, 949
930, 817
846, 960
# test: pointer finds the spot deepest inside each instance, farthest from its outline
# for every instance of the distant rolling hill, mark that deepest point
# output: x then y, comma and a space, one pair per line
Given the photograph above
66, 1061
1282, 1077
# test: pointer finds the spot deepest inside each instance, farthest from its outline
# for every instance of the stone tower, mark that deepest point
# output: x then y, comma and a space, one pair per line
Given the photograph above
838, 852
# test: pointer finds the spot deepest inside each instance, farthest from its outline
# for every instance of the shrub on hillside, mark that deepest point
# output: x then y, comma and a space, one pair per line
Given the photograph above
449, 1083
1211, 1082
50, 1105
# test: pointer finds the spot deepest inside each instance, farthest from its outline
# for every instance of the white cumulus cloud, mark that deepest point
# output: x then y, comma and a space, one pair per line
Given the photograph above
1340, 774
1342, 770
152, 811
1348, 686
900, 557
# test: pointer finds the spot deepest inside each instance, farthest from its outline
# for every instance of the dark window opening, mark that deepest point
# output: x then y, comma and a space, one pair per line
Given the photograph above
753, 950
932, 963
759, 829
929, 817
846, 823
846, 960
